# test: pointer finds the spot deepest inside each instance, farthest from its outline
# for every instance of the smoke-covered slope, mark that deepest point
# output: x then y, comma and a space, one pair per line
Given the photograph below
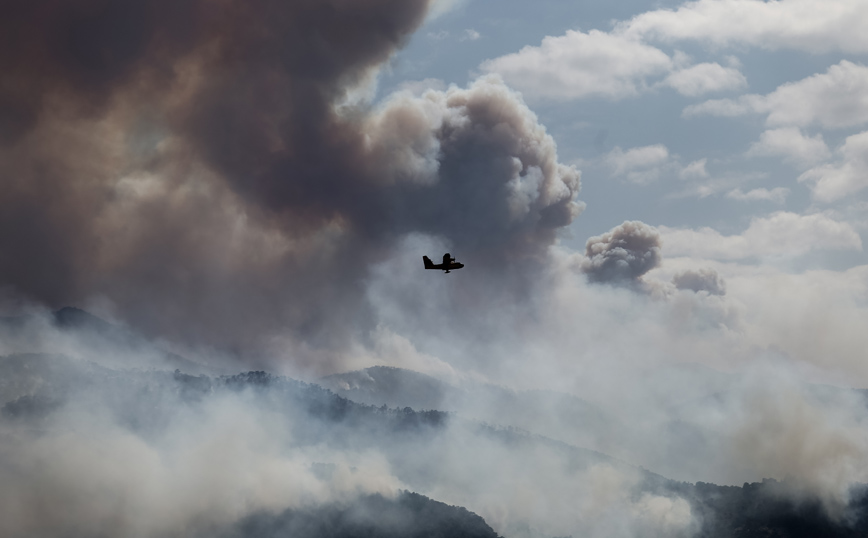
280, 457
395, 387
770, 508
557, 415
274, 455
683, 433
73, 331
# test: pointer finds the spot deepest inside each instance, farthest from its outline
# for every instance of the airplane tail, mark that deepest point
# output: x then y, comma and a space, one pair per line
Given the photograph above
428, 263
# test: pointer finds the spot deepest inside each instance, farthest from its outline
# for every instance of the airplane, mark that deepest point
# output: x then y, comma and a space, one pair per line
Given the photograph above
448, 263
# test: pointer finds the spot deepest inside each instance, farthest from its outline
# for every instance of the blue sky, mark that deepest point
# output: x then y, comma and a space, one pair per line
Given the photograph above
735, 129
739, 172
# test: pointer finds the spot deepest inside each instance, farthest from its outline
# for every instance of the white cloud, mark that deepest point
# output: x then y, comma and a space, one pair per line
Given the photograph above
441, 7
781, 234
777, 195
694, 170
807, 25
418, 87
703, 186
725, 108
470, 35
638, 165
578, 65
439, 36
704, 78
617, 64
834, 99
645, 164
792, 145
834, 181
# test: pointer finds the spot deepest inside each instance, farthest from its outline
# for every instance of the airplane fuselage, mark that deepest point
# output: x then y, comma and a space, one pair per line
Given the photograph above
449, 263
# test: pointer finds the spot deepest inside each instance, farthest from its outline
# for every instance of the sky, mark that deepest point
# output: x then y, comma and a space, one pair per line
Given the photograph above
718, 112
654, 203
258, 182
255, 185
732, 128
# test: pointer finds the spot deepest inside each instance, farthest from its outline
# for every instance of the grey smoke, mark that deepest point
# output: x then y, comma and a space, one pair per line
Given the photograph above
94, 451
202, 169
705, 279
623, 254
71, 426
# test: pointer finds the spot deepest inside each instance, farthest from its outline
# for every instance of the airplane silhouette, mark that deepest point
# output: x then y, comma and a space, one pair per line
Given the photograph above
448, 264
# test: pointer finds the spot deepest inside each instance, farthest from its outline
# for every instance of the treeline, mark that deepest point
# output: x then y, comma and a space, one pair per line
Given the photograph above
410, 515
316, 401
766, 509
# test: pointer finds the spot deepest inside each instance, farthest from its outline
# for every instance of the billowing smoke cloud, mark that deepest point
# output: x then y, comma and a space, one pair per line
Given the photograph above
205, 169
623, 254
705, 279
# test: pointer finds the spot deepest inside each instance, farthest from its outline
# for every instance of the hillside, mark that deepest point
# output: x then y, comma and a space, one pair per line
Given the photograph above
429, 451
560, 416
409, 515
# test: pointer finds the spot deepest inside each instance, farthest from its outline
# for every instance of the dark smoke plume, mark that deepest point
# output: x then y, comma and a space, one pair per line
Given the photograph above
623, 254
204, 167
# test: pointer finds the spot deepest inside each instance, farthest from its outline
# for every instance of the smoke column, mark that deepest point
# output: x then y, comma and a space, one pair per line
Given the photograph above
200, 166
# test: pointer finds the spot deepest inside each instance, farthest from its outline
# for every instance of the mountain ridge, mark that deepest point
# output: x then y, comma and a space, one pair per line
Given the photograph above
36, 390
724, 511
